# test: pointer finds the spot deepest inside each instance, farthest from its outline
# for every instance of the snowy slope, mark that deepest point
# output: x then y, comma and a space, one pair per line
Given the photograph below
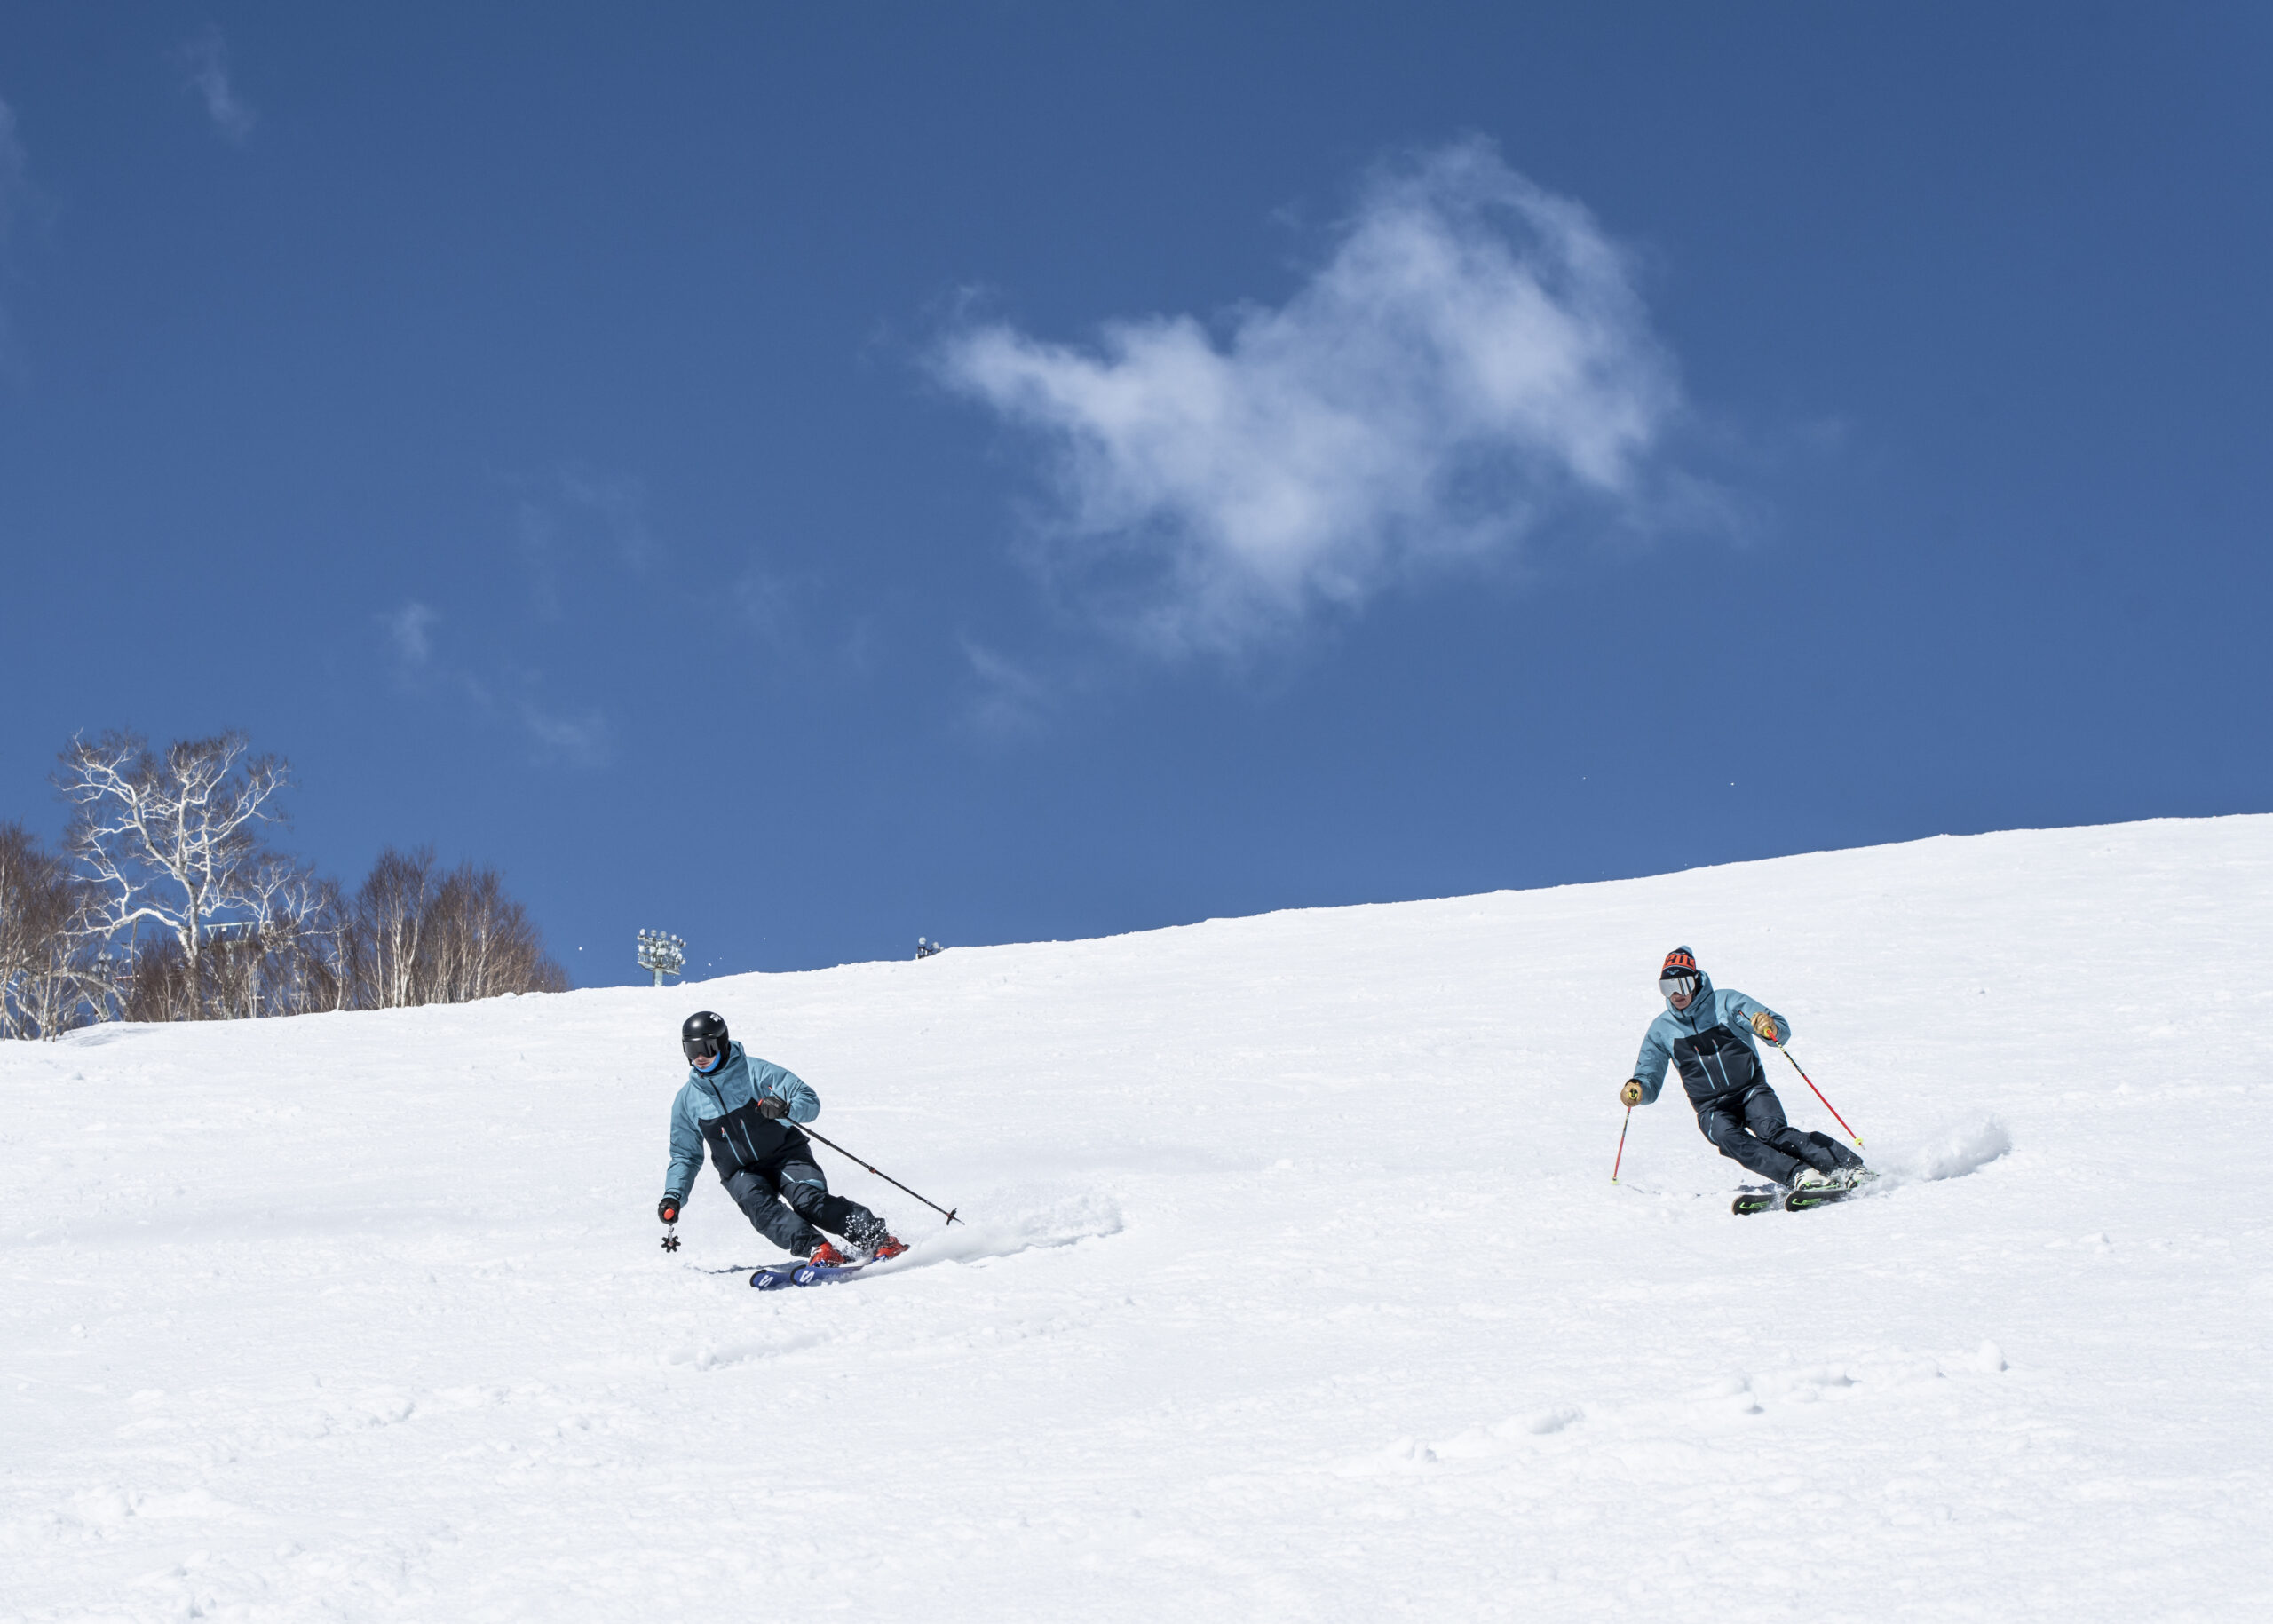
1295, 1286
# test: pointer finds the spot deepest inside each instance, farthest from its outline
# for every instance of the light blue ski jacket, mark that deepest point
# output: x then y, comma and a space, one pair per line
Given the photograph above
721, 1106
1699, 1040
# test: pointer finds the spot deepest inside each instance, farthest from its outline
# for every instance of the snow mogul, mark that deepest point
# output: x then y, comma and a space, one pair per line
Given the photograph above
1708, 1033
748, 1110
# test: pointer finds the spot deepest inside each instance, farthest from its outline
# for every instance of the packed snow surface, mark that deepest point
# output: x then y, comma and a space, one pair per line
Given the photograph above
1294, 1284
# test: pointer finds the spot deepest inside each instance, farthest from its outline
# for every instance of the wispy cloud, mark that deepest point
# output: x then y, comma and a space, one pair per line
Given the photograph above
16, 196
1011, 699
584, 741
538, 538
769, 603
205, 62
411, 630
512, 698
15, 171
1471, 358
618, 508
573, 515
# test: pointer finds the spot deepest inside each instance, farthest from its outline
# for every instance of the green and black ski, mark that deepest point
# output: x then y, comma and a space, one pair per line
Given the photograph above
1818, 1195
1766, 1197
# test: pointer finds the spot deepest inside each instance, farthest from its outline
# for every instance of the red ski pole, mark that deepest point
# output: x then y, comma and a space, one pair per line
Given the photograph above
1828, 1105
1621, 1144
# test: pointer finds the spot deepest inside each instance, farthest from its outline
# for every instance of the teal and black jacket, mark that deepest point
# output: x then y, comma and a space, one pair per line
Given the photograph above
719, 1109
1710, 1042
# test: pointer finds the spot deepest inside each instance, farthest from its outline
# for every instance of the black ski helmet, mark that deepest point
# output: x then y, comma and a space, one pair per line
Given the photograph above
704, 1035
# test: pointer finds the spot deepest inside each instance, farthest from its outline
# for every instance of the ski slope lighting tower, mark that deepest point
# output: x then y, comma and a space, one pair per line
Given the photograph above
663, 952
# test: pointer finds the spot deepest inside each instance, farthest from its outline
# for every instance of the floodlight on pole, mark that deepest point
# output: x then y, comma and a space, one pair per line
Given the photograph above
662, 953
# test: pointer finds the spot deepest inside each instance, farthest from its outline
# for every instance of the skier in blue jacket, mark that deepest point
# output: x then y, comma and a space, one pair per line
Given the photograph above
1708, 1034
747, 1111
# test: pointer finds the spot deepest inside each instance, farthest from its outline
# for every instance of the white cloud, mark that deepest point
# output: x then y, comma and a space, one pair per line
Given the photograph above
514, 698
583, 741
534, 527
1011, 699
619, 507
410, 629
15, 187
206, 61
1471, 357
769, 603
15, 168
572, 517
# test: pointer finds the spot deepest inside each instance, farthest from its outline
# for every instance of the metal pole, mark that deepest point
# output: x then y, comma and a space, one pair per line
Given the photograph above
887, 1177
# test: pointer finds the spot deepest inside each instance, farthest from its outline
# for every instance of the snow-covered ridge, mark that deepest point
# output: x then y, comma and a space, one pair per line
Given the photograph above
1294, 1284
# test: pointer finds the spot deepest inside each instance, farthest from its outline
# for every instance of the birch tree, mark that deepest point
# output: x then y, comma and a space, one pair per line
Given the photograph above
48, 982
300, 933
169, 839
482, 943
419, 935
390, 915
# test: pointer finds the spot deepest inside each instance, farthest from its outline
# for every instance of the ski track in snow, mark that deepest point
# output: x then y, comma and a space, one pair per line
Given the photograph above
1293, 1284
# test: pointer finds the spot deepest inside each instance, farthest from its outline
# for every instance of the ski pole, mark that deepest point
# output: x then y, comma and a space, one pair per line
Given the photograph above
1621, 1144
1828, 1105
887, 1177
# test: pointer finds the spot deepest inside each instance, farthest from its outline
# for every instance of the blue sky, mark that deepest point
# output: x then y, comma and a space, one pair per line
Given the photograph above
805, 477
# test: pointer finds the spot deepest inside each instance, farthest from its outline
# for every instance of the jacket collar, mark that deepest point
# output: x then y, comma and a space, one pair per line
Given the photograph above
709, 1078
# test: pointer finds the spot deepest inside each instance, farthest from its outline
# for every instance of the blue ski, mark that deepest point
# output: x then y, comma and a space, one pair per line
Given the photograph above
782, 1277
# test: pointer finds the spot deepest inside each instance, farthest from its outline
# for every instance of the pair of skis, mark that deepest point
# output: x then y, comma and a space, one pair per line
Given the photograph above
1805, 1198
783, 1276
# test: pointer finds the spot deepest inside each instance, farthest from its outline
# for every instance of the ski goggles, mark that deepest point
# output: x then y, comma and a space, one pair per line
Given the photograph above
699, 1049
1681, 984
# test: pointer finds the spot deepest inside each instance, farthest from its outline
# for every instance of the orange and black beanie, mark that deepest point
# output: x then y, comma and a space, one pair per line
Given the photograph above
1679, 959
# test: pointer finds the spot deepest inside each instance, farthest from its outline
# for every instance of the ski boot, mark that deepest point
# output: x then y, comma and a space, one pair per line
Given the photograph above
827, 1256
891, 1245
1811, 1189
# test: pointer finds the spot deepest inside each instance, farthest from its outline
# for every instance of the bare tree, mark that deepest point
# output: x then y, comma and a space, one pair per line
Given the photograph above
289, 960
389, 923
49, 982
158, 984
168, 840
482, 943
418, 936
198, 918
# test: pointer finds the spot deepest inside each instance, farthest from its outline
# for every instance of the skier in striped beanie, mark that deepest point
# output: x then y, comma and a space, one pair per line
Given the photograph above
1709, 1033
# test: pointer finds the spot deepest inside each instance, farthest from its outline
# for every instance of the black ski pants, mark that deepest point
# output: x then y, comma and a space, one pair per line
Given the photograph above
785, 1197
1748, 1126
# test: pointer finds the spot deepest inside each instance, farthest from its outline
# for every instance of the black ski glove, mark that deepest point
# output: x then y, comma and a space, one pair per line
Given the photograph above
770, 1107
667, 1209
